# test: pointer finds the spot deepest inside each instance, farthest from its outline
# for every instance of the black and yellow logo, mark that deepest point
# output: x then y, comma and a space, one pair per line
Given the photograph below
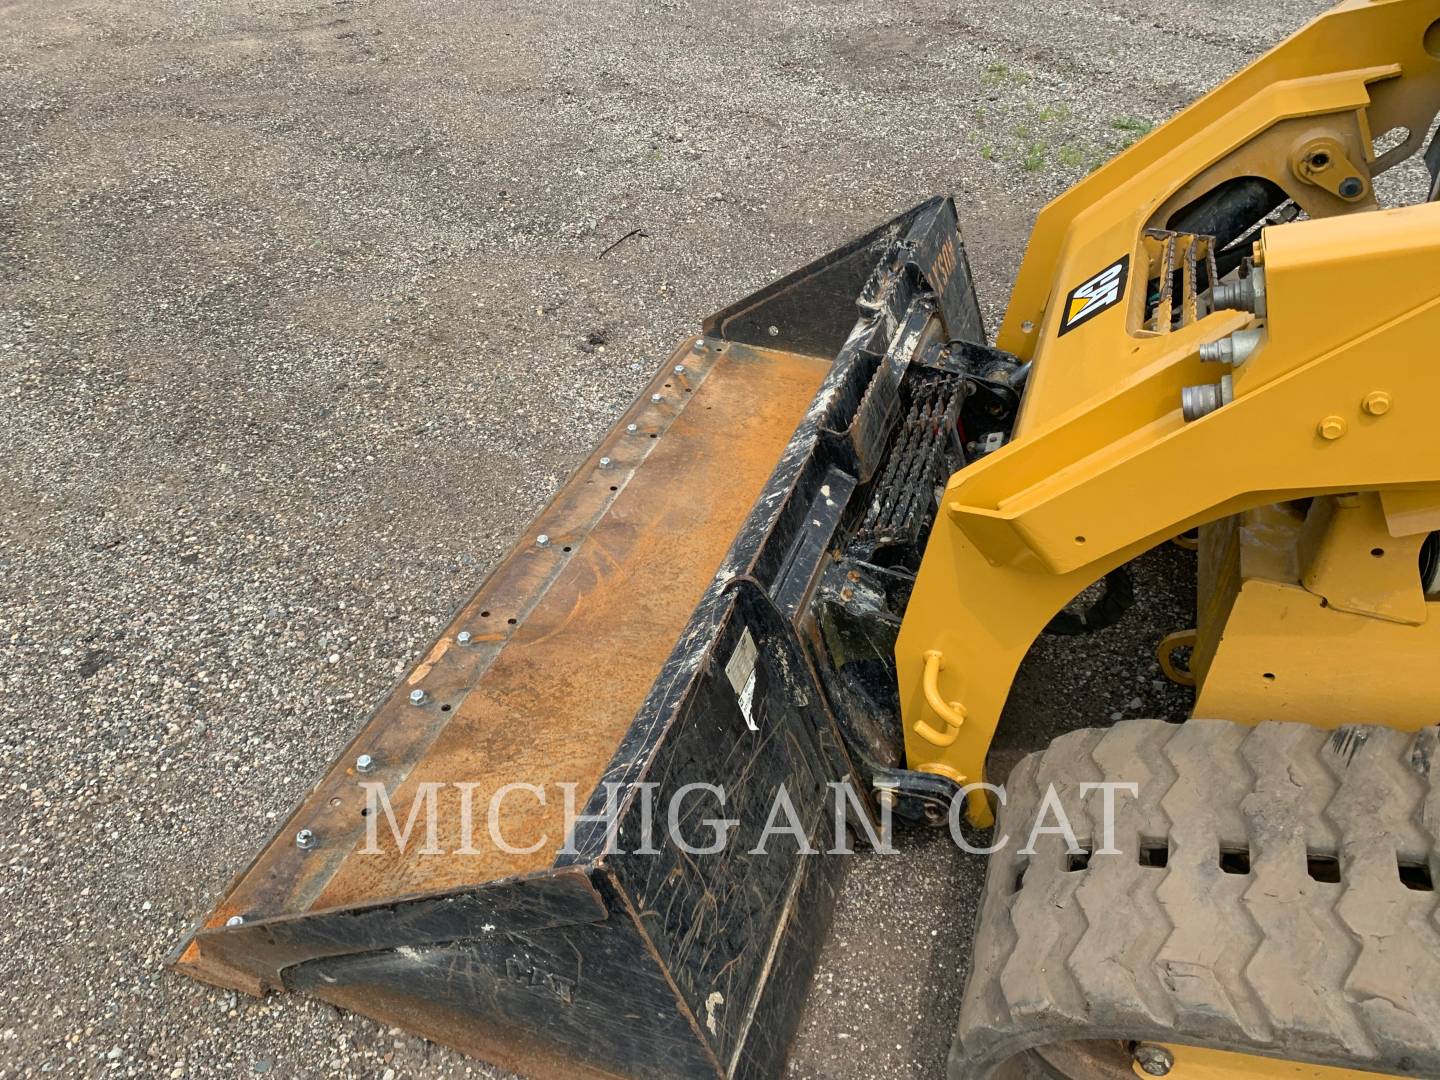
1102, 291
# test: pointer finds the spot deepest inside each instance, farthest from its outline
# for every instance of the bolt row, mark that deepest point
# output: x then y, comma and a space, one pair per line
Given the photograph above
306, 839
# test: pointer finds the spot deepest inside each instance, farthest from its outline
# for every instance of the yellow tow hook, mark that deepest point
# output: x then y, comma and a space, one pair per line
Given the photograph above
1180, 639
953, 713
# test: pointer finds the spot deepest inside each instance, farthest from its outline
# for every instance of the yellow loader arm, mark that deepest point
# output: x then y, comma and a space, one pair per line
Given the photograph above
1155, 402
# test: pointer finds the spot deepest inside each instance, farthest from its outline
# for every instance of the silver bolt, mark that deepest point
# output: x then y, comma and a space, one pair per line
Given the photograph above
680, 369
364, 764
462, 638
235, 920
632, 428
1198, 401
1233, 350
305, 839
774, 331
542, 540
417, 696
605, 463
657, 397
1154, 1060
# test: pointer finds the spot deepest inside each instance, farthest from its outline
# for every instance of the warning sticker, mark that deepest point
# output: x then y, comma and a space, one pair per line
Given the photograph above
740, 670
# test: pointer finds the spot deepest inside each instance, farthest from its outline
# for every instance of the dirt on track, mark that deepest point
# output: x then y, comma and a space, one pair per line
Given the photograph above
305, 309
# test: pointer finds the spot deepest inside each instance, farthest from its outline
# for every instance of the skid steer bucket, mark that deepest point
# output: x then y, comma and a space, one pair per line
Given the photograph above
648, 632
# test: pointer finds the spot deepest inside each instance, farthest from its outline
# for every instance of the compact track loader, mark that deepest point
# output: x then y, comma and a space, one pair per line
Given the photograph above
813, 554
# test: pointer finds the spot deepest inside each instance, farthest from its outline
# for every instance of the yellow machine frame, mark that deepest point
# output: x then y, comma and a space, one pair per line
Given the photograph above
1336, 399
1202, 1063
1292, 603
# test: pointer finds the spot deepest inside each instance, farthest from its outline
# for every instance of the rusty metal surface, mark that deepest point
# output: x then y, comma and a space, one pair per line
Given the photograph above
566, 640
604, 654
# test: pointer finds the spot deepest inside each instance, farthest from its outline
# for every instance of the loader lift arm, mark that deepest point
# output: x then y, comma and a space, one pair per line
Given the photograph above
1104, 463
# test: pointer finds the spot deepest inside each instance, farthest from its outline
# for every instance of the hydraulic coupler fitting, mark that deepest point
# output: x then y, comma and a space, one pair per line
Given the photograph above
1233, 350
1202, 400
1242, 294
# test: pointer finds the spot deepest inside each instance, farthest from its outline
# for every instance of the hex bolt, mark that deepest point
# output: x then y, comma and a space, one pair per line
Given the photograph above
364, 764
462, 638
1331, 428
1202, 400
1154, 1060
1376, 403
1352, 187
632, 428
1243, 294
305, 839
235, 920
417, 697
657, 397
680, 368
543, 540
605, 463
1233, 350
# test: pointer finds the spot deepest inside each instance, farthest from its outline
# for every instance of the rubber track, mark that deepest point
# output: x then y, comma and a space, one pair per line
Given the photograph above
1273, 961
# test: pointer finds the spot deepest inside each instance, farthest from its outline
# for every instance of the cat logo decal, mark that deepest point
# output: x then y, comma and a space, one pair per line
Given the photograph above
1100, 292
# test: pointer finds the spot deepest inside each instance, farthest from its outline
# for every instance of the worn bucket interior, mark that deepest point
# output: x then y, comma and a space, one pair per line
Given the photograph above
595, 652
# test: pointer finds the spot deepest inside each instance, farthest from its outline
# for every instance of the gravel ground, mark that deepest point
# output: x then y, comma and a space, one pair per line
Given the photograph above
302, 317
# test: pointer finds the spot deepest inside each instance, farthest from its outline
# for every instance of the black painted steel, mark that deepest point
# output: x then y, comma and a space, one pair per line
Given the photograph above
631, 956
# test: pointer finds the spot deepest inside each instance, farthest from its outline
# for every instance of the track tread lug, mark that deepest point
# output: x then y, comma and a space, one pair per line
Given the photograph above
1272, 961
